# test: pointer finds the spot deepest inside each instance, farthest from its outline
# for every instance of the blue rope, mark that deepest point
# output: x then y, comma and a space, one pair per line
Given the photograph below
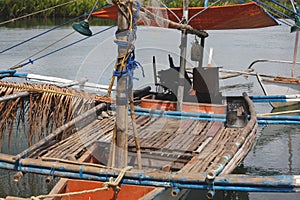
43, 33
10, 73
130, 67
64, 47
131, 63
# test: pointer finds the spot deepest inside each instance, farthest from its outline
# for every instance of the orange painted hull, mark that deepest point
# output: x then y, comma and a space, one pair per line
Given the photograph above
126, 192
150, 102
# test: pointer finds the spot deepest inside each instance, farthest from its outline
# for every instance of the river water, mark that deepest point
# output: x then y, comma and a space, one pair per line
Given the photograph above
277, 150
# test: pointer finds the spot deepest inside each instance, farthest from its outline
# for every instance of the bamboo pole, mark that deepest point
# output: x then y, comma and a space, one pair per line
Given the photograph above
279, 113
122, 84
61, 81
183, 51
295, 54
136, 137
282, 183
238, 73
219, 118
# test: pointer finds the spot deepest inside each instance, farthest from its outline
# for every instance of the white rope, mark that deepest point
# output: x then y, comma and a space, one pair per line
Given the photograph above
37, 12
164, 5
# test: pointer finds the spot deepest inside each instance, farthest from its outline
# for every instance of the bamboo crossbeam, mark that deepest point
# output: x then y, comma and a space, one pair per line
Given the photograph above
58, 131
14, 96
280, 113
276, 98
271, 61
282, 183
238, 73
63, 81
262, 120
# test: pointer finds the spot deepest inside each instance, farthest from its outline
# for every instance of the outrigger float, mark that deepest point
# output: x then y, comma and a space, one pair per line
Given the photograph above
143, 144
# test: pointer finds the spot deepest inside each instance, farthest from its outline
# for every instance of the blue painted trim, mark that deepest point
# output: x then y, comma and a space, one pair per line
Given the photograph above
268, 184
277, 119
274, 98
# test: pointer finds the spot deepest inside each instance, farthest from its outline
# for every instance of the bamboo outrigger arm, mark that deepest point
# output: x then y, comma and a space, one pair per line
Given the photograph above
282, 183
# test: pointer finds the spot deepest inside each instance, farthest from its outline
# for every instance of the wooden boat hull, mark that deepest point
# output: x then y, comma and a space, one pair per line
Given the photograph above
197, 141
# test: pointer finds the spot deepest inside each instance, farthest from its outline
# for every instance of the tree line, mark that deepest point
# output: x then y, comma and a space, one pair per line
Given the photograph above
10, 9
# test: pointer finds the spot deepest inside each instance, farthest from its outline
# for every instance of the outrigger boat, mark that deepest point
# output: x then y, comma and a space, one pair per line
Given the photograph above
280, 85
183, 136
284, 88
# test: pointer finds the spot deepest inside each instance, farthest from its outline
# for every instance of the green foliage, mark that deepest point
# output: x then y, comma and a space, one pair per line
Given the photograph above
13, 8
10, 9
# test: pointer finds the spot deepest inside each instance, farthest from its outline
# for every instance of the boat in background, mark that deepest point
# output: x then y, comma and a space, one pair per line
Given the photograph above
277, 85
237, 16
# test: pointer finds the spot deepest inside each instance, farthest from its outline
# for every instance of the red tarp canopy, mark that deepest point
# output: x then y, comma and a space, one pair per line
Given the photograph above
239, 16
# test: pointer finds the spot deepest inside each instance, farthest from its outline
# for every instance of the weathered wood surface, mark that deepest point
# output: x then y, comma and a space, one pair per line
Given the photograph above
187, 145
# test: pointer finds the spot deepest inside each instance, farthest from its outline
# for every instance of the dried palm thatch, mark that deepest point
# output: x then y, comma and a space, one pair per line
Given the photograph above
44, 108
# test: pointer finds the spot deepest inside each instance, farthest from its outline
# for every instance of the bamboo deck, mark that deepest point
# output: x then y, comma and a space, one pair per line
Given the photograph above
187, 145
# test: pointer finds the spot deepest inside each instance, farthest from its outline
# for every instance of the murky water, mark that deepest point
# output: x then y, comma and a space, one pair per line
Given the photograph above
277, 150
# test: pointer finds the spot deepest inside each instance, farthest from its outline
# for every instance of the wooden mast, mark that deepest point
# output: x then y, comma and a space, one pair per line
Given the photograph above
119, 158
183, 47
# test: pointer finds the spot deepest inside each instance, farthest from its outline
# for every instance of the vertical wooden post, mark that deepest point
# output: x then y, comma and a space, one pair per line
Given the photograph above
200, 62
122, 97
183, 47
